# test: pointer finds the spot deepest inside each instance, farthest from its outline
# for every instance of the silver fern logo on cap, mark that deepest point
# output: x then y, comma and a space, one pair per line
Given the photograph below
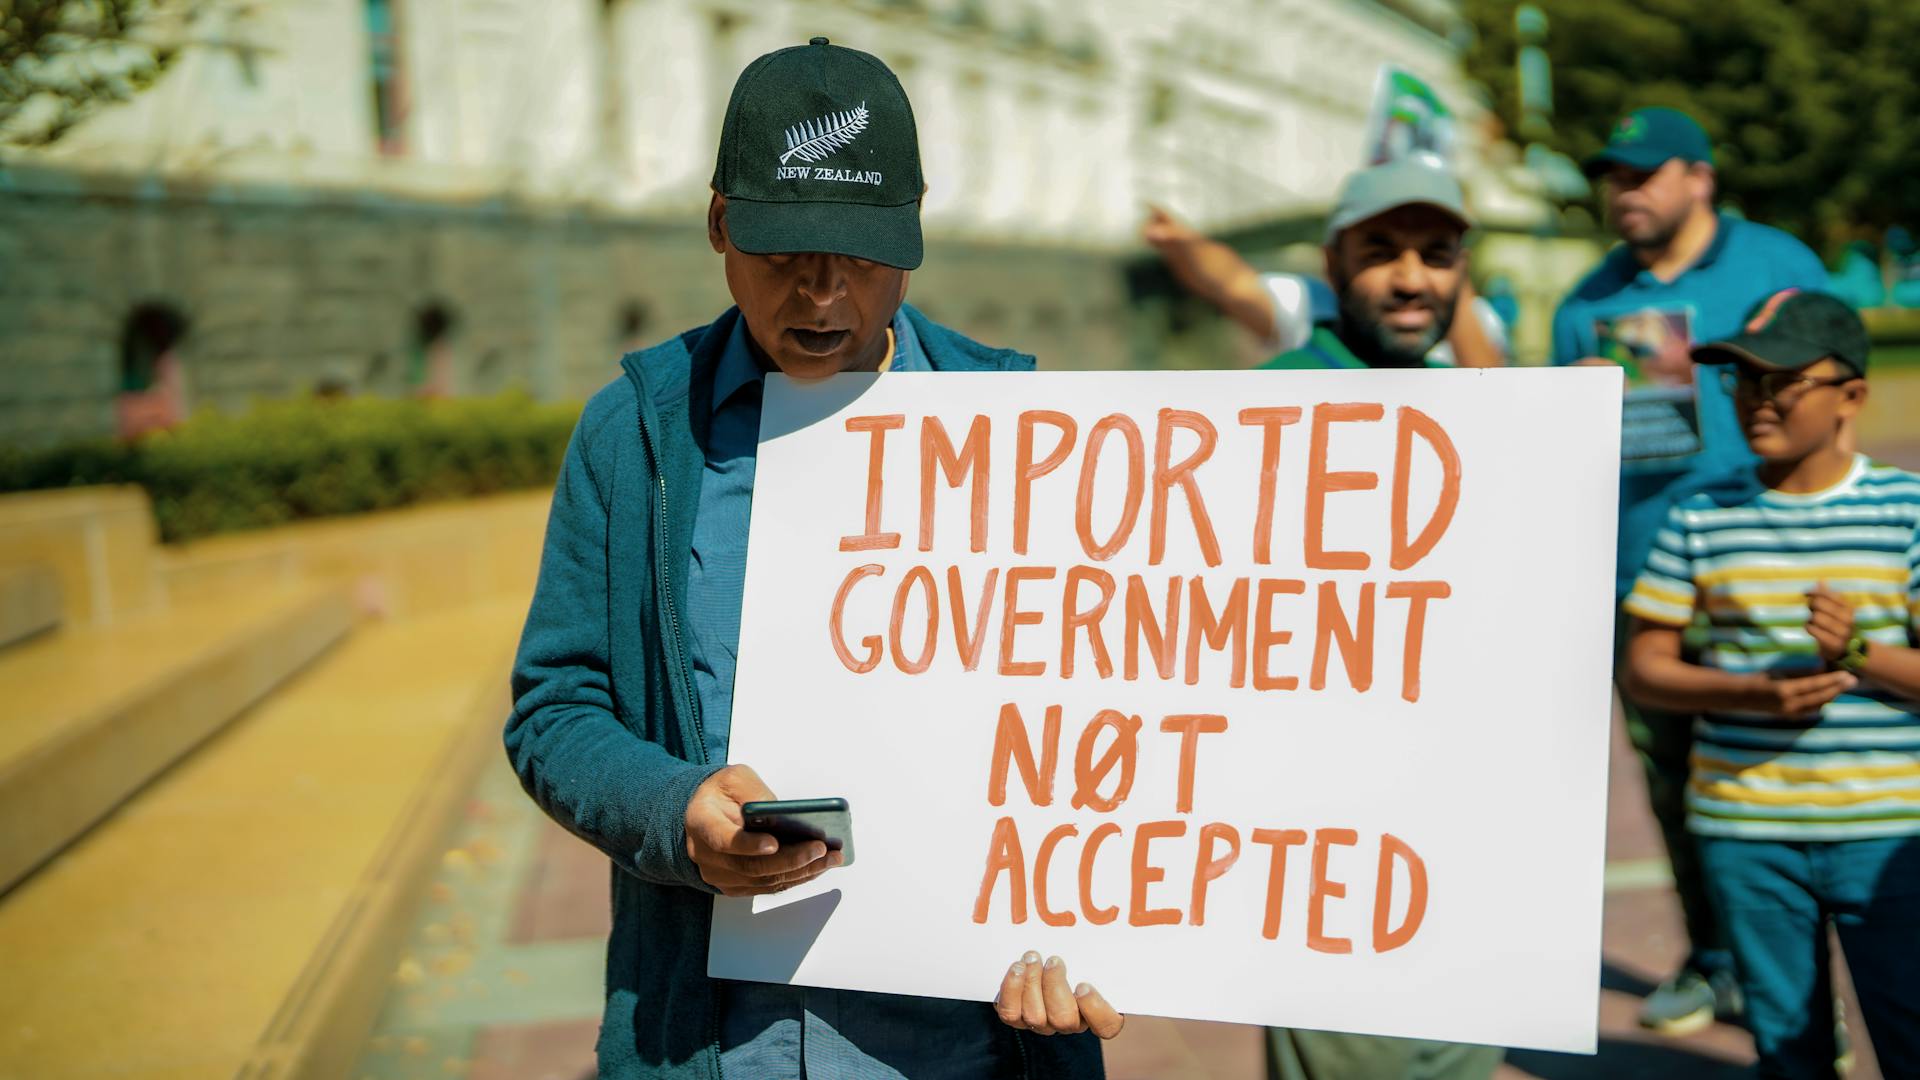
816, 139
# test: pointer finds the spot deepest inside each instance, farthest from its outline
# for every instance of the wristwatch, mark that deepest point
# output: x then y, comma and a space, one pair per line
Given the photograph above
1855, 657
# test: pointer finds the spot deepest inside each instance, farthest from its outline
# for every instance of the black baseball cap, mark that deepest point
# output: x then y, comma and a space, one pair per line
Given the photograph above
1793, 329
818, 152
1649, 138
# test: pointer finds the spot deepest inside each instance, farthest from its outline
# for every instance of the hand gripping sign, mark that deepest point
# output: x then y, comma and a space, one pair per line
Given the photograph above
1265, 697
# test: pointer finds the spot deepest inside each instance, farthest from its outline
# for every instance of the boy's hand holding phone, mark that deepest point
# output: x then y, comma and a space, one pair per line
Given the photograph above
1798, 697
738, 862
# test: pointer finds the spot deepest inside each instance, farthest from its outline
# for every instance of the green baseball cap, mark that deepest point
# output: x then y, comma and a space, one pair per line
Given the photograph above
1408, 181
1646, 139
818, 152
1791, 330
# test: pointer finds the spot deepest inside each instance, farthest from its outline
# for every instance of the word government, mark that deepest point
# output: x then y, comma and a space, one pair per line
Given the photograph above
821, 172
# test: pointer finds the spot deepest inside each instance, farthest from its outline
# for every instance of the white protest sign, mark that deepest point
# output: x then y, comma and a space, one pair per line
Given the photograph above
1270, 697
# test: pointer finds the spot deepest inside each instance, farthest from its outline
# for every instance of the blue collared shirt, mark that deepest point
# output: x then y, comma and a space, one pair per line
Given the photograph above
768, 1031
1743, 264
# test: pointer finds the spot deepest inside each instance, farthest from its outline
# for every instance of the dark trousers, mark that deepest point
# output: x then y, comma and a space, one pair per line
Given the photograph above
1775, 898
1328, 1055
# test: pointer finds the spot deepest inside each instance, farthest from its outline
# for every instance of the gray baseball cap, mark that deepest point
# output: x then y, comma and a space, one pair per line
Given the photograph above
1407, 181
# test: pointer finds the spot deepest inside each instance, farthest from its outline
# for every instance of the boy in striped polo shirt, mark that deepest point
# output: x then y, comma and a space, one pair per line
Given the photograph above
1805, 788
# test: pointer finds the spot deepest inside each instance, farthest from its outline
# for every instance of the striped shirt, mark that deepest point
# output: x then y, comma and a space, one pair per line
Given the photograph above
1747, 562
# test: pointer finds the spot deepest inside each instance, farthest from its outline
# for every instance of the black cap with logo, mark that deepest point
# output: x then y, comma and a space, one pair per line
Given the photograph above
1791, 330
819, 152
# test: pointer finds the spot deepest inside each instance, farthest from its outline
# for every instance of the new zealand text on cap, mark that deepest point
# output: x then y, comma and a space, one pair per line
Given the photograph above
818, 152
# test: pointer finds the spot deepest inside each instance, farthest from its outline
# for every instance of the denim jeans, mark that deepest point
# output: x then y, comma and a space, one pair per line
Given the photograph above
1774, 899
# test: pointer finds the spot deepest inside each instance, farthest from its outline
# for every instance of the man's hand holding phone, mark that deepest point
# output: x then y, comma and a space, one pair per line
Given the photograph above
738, 862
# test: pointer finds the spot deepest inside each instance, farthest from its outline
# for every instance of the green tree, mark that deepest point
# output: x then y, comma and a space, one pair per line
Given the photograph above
1814, 109
62, 59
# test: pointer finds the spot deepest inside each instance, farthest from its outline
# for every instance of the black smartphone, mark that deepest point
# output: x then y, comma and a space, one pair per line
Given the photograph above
796, 820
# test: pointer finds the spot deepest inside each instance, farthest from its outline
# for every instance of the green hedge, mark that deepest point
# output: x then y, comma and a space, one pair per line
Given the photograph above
313, 457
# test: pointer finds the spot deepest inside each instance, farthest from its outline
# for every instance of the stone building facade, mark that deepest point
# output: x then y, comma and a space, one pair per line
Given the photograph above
380, 195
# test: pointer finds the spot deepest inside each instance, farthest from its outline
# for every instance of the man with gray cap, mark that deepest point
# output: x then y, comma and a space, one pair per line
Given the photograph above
1396, 262
1280, 310
623, 682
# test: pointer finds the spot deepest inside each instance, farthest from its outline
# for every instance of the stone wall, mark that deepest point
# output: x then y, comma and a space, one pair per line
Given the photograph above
286, 291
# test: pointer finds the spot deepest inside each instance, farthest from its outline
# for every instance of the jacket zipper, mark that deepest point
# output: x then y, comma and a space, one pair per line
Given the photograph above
666, 595
665, 585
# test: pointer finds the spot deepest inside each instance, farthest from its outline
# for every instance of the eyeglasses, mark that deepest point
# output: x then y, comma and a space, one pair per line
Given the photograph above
1783, 388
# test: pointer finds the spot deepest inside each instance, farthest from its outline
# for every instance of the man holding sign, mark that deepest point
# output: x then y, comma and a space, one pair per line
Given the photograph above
624, 680
1191, 676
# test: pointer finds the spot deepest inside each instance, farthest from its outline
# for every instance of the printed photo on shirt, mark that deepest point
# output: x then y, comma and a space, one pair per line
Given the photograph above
1660, 422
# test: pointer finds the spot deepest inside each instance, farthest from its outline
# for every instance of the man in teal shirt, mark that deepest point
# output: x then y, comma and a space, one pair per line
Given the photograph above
1395, 260
1683, 273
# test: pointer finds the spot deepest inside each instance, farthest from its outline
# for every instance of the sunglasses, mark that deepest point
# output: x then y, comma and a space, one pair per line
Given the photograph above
1782, 388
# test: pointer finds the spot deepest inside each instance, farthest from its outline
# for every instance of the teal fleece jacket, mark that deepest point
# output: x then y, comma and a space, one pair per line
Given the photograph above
605, 733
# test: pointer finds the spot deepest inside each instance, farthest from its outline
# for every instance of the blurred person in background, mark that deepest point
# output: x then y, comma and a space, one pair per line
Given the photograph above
623, 682
1700, 271
1281, 310
1396, 258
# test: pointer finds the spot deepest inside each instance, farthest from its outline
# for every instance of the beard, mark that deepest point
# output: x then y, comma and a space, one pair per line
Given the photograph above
1365, 331
1653, 233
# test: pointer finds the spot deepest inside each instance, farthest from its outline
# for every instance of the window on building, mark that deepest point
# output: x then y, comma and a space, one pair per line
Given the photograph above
1029, 31
970, 14
152, 383
489, 372
151, 332
613, 137
430, 368
1083, 48
630, 325
1159, 104
389, 89
723, 60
